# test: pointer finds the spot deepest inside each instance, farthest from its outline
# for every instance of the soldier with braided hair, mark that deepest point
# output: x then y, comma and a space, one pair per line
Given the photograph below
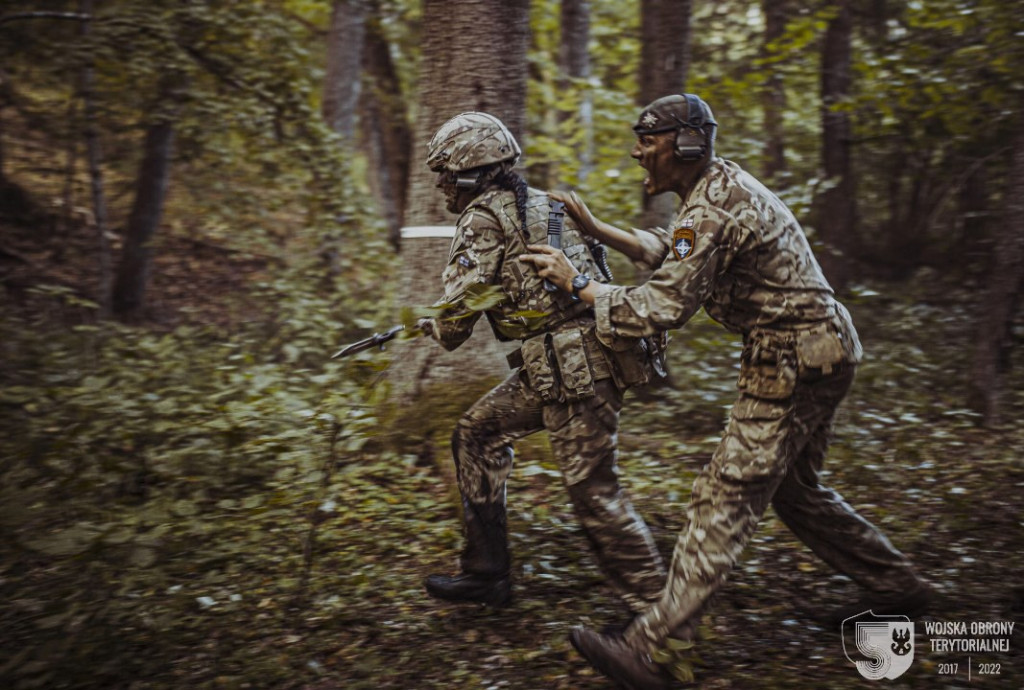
563, 379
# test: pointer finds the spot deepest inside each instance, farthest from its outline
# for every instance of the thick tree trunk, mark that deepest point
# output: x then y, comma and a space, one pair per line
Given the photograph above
385, 129
774, 95
1002, 298
344, 59
664, 63
473, 58
836, 217
150, 192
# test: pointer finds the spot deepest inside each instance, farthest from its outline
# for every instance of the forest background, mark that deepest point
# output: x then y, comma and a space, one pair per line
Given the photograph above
200, 201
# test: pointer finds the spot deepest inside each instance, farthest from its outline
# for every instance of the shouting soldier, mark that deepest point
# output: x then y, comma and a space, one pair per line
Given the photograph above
735, 249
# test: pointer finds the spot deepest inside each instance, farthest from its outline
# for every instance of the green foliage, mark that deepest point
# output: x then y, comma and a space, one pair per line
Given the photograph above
141, 463
216, 504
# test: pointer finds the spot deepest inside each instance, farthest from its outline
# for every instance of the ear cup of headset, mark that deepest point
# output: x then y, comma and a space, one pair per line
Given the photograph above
687, 148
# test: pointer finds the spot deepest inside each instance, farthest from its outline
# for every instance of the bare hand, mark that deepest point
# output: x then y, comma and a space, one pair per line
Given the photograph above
577, 210
552, 264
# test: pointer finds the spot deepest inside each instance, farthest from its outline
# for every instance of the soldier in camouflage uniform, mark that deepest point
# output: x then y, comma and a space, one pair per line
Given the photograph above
564, 380
735, 249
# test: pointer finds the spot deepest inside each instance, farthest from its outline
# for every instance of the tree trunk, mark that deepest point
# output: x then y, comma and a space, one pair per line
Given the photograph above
774, 95
385, 128
150, 191
664, 63
461, 69
992, 349
973, 202
574, 62
836, 218
344, 54
94, 158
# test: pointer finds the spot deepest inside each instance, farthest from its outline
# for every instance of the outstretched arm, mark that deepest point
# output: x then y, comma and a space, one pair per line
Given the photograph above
616, 238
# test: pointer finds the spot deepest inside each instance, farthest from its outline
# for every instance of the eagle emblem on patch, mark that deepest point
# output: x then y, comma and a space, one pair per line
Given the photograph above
682, 242
649, 120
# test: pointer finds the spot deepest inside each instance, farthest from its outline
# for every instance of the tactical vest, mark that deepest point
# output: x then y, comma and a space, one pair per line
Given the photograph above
530, 309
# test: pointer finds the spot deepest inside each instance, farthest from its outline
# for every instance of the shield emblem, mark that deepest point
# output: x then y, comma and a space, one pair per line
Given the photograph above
682, 243
879, 646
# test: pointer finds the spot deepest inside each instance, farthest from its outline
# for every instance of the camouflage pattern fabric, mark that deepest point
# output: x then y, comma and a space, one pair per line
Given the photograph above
565, 386
735, 249
583, 437
471, 140
485, 251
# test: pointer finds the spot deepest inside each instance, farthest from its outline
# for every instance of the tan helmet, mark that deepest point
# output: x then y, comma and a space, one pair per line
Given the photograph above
471, 140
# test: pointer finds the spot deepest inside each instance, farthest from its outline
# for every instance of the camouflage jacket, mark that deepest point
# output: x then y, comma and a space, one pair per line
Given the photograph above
735, 249
485, 252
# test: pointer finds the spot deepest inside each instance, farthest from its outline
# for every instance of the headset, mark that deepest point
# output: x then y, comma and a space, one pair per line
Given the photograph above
698, 115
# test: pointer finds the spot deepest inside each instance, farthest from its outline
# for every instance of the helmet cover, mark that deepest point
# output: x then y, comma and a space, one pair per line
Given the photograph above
471, 140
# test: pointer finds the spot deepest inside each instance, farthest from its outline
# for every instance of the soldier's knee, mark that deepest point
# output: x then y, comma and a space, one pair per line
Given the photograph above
472, 439
467, 434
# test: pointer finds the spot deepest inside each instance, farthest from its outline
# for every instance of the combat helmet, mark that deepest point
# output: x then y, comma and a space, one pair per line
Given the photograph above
686, 113
471, 140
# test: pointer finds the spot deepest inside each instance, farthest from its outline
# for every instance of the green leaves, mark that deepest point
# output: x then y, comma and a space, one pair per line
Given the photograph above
482, 297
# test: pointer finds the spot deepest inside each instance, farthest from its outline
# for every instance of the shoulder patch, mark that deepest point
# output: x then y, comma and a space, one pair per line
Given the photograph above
682, 241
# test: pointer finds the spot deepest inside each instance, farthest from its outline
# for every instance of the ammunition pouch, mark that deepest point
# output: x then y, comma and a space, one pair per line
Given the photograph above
768, 367
564, 365
638, 361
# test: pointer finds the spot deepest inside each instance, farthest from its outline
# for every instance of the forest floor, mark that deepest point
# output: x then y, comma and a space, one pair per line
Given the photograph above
290, 557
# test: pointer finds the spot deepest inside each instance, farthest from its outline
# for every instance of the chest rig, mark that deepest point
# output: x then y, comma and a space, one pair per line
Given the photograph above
529, 309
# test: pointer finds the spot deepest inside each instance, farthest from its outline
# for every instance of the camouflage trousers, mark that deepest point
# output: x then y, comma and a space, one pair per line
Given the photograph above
584, 438
771, 452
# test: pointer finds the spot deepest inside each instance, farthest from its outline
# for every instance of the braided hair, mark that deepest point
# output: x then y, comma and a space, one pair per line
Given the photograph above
512, 181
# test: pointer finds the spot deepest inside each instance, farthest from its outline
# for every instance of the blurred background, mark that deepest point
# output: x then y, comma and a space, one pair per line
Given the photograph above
200, 201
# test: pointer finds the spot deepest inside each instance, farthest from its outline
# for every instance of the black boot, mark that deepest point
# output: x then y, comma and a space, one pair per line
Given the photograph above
485, 577
615, 658
913, 604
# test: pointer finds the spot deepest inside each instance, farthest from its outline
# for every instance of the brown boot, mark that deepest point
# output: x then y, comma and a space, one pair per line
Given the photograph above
615, 658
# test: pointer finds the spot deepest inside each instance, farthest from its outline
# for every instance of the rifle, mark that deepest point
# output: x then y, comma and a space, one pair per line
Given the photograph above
555, 215
375, 340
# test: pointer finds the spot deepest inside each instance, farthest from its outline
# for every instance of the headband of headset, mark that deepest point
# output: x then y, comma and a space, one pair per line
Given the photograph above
666, 114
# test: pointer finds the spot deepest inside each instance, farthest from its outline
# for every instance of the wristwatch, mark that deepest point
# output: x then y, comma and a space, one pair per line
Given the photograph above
580, 281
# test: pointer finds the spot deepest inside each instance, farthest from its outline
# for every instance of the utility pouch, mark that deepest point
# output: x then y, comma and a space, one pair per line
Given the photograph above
632, 365
573, 365
539, 372
819, 350
767, 372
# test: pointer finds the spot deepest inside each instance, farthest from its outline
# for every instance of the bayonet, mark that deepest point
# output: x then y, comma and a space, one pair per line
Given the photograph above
375, 340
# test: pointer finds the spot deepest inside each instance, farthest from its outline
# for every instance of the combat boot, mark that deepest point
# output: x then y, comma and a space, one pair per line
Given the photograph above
615, 658
911, 604
485, 577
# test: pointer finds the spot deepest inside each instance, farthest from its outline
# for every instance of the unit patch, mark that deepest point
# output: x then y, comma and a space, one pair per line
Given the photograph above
682, 241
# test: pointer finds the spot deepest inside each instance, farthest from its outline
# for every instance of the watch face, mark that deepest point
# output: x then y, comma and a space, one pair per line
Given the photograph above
579, 282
